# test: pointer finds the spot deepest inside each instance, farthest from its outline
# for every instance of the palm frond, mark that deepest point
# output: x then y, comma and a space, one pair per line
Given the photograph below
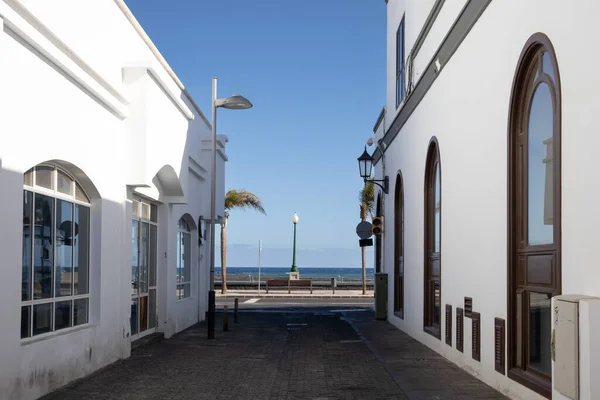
243, 199
366, 197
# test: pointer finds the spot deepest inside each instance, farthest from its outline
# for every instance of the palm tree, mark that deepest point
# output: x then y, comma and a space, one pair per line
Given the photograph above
366, 197
241, 199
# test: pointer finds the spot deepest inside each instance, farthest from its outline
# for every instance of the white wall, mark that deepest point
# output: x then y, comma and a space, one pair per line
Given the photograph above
99, 103
467, 110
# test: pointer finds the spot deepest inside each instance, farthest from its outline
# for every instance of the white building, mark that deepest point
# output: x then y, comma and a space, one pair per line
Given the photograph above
489, 143
105, 193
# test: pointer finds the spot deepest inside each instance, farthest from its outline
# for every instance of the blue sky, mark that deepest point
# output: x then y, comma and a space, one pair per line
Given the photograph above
315, 71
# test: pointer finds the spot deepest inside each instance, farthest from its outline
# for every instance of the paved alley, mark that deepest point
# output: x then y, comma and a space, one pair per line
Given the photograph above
284, 354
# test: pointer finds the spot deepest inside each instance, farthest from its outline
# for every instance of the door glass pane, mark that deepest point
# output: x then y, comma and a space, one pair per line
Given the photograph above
143, 313
187, 258
152, 257
25, 321
152, 309
143, 258
81, 312
62, 315
153, 213
64, 248
43, 255
540, 168
64, 183
437, 211
43, 177
82, 246
134, 317
179, 257
134, 258
42, 318
26, 254
540, 332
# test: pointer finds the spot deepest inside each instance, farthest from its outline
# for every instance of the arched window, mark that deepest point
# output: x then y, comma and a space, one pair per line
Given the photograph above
399, 247
534, 213
433, 223
56, 248
184, 259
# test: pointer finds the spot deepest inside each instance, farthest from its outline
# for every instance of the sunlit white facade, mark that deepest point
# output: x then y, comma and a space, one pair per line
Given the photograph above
489, 143
105, 193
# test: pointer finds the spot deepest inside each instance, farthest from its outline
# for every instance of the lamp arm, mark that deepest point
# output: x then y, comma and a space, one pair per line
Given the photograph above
384, 187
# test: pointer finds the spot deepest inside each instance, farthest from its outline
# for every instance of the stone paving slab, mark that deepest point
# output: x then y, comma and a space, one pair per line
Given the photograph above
285, 354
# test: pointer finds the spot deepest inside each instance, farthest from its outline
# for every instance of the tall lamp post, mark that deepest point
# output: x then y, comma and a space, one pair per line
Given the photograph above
235, 102
295, 221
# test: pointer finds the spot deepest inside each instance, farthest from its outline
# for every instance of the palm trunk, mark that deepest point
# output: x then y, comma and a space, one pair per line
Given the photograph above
363, 216
224, 257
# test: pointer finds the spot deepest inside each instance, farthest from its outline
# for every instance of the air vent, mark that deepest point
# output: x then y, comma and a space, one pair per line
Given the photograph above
448, 324
459, 329
499, 335
476, 337
468, 307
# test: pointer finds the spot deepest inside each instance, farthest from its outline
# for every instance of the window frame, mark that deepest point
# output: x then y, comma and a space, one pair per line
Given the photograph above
56, 196
432, 165
184, 232
399, 247
527, 78
400, 64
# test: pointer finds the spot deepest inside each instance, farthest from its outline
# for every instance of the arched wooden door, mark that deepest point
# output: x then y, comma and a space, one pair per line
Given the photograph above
399, 247
534, 214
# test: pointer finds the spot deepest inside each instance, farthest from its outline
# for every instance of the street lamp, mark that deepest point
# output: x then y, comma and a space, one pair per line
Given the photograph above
235, 102
295, 221
365, 165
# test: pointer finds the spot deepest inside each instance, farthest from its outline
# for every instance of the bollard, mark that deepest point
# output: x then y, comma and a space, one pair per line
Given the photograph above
225, 319
236, 312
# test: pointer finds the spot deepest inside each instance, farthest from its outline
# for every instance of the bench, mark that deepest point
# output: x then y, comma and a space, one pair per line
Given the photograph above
289, 284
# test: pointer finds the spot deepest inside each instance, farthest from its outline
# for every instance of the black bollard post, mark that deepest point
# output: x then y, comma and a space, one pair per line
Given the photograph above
236, 312
225, 319
211, 314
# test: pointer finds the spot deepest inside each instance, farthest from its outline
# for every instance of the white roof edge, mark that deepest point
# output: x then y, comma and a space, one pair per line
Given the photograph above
138, 28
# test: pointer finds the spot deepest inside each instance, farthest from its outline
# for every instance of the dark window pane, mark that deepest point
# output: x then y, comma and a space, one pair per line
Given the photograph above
436, 303
134, 257
80, 195
540, 332
26, 251
64, 183
152, 257
62, 315
152, 309
153, 213
81, 312
25, 321
42, 318
143, 260
64, 248
81, 244
43, 177
540, 168
43, 254
28, 178
134, 317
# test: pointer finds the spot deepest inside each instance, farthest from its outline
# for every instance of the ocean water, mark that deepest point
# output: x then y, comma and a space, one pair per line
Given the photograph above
244, 273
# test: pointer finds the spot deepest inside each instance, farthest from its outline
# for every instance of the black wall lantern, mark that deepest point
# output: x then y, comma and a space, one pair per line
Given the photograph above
365, 165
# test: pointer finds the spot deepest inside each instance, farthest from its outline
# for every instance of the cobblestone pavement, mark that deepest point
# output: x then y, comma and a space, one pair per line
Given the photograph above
282, 355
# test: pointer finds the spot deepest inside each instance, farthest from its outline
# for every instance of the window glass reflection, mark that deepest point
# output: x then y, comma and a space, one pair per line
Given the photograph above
437, 208
540, 168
